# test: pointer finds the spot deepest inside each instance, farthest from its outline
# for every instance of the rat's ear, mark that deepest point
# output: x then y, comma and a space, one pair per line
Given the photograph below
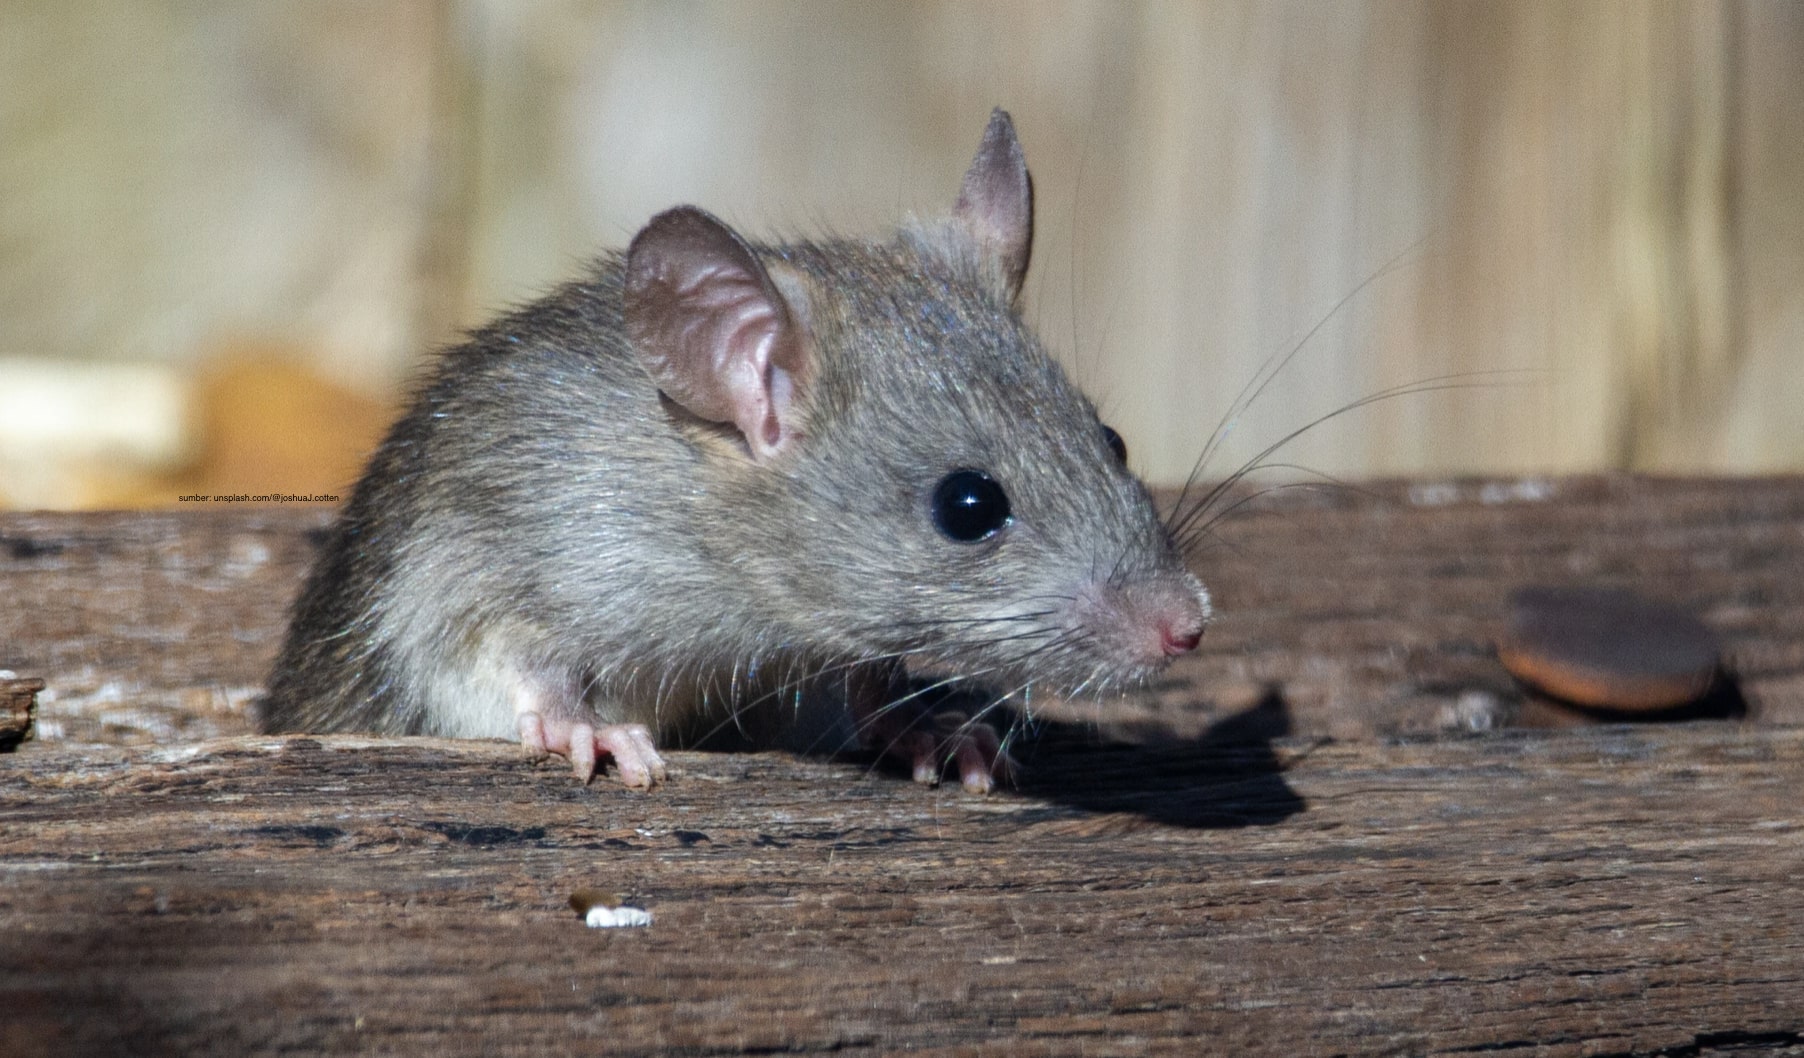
996, 202
712, 329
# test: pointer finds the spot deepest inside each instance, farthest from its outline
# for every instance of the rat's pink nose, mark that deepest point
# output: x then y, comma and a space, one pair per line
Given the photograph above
1181, 641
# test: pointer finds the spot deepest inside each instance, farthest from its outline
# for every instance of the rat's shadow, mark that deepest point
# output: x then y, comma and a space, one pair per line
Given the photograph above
1228, 777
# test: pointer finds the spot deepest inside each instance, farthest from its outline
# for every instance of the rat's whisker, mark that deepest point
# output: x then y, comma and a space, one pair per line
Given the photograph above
1433, 384
1275, 364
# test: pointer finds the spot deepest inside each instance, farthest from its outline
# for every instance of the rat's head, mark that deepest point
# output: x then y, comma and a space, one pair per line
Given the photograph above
901, 468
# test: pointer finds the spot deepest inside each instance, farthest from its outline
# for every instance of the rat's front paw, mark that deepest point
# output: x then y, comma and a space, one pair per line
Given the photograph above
635, 756
930, 742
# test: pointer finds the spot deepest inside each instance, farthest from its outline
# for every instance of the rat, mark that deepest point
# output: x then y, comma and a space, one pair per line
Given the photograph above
714, 473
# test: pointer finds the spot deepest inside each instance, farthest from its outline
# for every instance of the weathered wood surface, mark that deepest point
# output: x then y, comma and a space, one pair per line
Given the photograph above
1605, 891
1368, 611
1275, 871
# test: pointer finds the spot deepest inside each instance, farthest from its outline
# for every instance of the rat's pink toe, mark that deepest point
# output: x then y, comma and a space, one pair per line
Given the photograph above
982, 763
583, 744
582, 752
634, 754
973, 768
532, 736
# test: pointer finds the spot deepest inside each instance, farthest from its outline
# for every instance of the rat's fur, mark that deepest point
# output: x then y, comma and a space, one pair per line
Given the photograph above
543, 513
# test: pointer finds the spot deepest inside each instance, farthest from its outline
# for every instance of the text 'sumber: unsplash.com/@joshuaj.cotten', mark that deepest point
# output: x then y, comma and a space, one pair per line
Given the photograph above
259, 497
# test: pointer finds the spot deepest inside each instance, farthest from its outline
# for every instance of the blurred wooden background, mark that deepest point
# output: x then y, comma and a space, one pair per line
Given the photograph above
228, 232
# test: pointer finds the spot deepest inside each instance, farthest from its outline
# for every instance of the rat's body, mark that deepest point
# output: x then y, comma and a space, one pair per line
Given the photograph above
714, 472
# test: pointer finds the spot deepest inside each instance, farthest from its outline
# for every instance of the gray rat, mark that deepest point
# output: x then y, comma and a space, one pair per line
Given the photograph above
715, 472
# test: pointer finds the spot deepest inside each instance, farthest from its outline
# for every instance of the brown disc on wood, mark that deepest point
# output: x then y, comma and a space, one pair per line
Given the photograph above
1608, 648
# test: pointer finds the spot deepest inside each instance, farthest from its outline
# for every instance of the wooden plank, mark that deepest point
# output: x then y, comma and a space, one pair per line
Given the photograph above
1295, 858
149, 626
1600, 891
1365, 611
1375, 611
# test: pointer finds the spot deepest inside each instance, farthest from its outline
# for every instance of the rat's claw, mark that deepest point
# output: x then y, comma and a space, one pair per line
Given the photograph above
922, 751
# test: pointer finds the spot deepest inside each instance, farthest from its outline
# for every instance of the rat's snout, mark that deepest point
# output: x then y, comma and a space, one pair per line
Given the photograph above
1181, 640
1147, 622
1179, 616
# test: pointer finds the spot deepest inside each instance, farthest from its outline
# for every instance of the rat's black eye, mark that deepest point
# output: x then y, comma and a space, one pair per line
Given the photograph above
968, 506
1116, 444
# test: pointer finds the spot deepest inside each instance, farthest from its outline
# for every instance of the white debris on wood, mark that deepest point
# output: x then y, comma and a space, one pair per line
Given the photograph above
615, 917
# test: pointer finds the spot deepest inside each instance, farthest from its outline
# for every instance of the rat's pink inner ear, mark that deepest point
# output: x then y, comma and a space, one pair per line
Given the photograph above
996, 201
712, 329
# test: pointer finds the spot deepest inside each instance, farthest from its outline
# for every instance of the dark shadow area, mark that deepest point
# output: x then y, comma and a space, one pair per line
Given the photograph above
93, 986
1227, 778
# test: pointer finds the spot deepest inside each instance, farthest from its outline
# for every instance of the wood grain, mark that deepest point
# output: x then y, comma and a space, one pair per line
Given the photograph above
1299, 844
1605, 891
1368, 610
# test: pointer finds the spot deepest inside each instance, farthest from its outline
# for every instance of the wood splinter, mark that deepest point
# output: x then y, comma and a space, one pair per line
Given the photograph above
18, 711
